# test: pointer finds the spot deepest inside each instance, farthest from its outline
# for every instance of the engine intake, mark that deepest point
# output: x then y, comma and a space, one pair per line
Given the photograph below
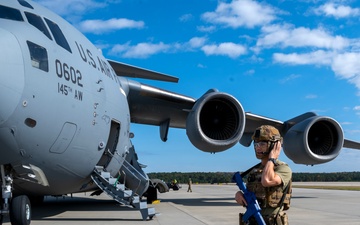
315, 140
216, 122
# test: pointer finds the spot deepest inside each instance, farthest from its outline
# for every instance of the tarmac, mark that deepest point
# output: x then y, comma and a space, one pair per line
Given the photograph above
207, 204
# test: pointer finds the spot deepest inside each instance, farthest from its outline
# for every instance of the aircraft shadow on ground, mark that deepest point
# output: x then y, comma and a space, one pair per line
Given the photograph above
212, 201
294, 197
54, 207
203, 201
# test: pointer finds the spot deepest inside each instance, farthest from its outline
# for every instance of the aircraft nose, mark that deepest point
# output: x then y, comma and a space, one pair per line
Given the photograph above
11, 74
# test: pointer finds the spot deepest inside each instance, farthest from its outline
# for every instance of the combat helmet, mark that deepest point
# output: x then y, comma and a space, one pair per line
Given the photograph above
266, 133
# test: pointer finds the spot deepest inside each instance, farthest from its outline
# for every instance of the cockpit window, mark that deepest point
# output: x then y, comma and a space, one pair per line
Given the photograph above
38, 56
37, 22
25, 4
10, 13
58, 35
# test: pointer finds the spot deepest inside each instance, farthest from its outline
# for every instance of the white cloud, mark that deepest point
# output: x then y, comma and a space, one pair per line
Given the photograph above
186, 17
347, 65
229, 49
193, 44
250, 72
141, 50
290, 78
100, 26
241, 13
70, 7
206, 28
319, 57
287, 36
144, 50
197, 42
338, 11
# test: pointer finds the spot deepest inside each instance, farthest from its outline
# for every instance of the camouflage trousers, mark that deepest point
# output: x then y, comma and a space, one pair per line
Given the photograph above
281, 219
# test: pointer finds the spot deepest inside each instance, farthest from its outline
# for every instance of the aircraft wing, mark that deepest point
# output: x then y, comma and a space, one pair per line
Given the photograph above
351, 144
151, 105
213, 123
254, 121
216, 121
155, 106
122, 69
308, 138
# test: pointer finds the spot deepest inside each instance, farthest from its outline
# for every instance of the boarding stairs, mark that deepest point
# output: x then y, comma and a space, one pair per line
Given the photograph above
119, 193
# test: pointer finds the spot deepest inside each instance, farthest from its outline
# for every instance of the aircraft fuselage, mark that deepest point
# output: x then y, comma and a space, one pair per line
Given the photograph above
63, 107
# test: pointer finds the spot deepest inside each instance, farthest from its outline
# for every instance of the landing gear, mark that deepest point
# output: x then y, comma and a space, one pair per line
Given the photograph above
19, 207
151, 194
20, 210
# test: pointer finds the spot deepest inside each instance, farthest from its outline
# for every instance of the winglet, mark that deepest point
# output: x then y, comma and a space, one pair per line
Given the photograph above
122, 69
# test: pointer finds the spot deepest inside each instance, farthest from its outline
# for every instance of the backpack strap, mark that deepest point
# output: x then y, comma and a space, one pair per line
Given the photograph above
243, 174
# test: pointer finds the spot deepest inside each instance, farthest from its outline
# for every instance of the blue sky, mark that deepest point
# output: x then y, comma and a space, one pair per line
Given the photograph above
278, 58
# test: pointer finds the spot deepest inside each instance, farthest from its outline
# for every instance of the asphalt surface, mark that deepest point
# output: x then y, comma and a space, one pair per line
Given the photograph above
207, 204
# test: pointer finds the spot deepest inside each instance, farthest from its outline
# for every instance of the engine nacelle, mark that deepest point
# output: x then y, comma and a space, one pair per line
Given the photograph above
216, 122
313, 141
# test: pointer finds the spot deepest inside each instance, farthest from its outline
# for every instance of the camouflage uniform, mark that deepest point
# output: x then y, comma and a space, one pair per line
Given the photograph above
269, 197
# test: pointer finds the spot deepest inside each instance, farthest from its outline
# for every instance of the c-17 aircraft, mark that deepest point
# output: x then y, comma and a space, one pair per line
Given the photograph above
66, 113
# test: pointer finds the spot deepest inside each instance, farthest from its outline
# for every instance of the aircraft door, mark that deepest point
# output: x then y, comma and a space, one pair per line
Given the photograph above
111, 144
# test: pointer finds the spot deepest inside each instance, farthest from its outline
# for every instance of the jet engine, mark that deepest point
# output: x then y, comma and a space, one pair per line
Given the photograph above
216, 122
315, 140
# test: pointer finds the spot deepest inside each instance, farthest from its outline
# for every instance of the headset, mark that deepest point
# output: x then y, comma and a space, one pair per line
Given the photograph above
272, 141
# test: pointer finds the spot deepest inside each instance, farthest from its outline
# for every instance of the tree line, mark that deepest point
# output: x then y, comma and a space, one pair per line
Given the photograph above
226, 177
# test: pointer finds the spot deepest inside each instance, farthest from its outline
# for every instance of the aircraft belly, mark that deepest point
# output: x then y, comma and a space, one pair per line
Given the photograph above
59, 173
61, 186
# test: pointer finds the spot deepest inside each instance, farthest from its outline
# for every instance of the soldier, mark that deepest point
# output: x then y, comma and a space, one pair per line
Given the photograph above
270, 180
189, 185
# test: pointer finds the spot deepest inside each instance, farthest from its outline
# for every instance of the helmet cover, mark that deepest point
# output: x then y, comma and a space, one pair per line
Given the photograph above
266, 133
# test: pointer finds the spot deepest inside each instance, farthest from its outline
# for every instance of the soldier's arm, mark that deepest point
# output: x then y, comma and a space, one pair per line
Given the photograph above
269, 178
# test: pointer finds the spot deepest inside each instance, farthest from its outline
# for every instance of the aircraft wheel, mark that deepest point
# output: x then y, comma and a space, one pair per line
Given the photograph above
20, 210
